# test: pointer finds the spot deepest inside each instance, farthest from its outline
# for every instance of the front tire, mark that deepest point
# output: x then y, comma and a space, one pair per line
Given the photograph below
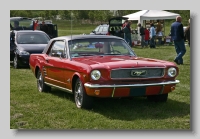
42, 87
82, 100
15, 62
158, 98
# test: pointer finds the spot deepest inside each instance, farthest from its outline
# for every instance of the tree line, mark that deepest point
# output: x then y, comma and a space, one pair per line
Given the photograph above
91, 15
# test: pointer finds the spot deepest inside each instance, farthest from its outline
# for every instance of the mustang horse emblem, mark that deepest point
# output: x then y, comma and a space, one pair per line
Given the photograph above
138, 73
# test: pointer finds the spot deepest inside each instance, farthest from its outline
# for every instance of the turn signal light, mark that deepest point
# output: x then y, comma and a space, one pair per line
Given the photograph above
97, 92
172, 88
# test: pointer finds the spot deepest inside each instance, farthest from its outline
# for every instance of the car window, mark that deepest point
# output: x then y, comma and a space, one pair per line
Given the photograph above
105, 28
32, 38
99, 46
58, 49
23, 24
100, 29
96, 29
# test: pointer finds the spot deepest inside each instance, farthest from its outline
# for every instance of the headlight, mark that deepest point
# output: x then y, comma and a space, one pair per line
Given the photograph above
95, 75
24, 53
172, 72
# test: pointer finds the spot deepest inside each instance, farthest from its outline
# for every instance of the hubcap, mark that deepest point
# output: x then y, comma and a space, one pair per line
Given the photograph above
78, 94
15, 62
40, 82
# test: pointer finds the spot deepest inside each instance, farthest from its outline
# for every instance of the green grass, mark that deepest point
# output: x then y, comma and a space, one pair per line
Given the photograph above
30, 109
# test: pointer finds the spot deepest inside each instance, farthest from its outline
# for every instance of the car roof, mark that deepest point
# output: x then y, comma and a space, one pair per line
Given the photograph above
19, 18
74, 37
24, 31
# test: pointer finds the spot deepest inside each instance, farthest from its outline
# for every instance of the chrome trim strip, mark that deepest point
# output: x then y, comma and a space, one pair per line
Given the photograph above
113, 92
162, 89
61, 88
141, 68
129, 85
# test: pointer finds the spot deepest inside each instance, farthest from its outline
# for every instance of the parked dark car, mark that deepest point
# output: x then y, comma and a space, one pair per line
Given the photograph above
26, 42
21, 23
90, 66
114, 27
52, 29
25, 23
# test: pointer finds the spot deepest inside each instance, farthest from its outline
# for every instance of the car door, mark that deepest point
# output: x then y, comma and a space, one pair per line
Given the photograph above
55, 63
95, 31
117, 22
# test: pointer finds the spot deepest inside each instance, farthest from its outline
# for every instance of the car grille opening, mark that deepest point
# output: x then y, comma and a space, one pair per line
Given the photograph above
137, 73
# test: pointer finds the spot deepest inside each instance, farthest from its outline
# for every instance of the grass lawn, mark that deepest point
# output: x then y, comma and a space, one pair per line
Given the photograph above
30, 109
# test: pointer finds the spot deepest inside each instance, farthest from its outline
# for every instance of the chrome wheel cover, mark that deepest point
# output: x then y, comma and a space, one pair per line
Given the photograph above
78, 94
15, 62
40, 82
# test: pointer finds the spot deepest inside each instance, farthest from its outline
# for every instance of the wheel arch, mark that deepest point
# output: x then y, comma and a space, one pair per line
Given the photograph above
75, 77
36, 71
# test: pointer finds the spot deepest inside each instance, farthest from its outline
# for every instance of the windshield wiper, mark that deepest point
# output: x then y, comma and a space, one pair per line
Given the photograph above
111, 54
86, 54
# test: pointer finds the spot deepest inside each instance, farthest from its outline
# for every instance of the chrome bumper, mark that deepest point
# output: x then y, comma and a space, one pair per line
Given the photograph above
130, 85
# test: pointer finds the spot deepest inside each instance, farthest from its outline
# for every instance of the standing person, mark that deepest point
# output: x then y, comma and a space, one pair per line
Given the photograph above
159, 32
16, 26
35, 25
187, 33
177, 35
44, 27
146, 38
123, 26
158, 27
142, 34
127, 33
152, 36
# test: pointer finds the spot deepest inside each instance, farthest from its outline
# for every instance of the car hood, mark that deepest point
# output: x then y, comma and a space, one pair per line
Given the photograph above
112, 62
31, 48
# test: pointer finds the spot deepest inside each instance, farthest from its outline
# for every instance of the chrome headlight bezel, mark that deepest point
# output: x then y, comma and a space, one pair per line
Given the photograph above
172, 72
24, 53
95, 74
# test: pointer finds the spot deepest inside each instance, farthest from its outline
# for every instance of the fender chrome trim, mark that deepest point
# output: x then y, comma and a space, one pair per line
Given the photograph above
61, 88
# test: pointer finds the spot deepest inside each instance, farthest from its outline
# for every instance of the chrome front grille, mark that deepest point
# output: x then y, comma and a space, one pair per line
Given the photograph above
137, 73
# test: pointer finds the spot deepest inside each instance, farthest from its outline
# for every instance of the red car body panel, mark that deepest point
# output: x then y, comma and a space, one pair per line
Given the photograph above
61, 72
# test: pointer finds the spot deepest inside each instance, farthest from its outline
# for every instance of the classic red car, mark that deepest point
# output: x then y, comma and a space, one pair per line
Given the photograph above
91, 66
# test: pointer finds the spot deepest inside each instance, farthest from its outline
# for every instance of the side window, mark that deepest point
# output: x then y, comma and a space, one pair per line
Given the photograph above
105, 29
101, 29
96, 29
58, 49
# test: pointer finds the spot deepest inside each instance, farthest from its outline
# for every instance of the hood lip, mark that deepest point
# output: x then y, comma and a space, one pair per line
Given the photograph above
160, 63
22, 47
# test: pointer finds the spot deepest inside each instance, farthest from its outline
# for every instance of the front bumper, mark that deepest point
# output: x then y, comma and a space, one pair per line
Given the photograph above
23, 60
128, 90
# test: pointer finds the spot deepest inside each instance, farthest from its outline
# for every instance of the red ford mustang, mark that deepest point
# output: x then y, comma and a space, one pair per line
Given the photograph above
91, 66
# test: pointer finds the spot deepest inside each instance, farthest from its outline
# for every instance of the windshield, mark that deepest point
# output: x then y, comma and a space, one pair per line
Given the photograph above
32, 38
99, 46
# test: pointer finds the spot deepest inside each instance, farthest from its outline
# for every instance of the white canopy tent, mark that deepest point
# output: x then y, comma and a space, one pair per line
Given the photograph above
151, 15
143, 15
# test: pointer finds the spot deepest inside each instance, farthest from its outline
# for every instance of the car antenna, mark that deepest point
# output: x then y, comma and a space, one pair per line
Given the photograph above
71, 36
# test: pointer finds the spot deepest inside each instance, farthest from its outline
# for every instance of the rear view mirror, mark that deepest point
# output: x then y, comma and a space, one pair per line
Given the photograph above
98, 45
